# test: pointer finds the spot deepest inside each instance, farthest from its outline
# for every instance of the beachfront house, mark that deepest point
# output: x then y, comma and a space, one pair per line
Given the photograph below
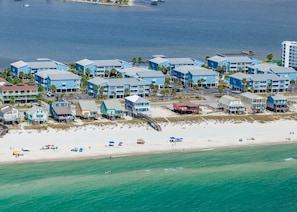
61, 111
36, 115
254, 103
118, 87
34, 67
8, 114
231, 105
190, 75
136, 104
100, 68
63, 81
185, 107
21, 93
111, 109
87, 109
277, 103
258, 83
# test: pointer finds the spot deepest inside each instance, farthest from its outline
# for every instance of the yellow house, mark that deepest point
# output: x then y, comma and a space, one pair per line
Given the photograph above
86, 109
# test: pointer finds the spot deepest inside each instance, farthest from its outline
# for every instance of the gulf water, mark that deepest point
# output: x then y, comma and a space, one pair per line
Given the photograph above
68, 32
238, 179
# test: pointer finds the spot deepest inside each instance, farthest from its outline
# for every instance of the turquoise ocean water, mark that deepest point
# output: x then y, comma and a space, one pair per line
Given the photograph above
238, 179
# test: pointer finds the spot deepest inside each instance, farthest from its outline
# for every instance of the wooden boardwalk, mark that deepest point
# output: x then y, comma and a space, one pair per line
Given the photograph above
150, 120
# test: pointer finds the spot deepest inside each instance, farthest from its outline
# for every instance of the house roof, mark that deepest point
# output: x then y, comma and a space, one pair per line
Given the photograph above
265, 77
278, 97
136, 99
113, 104
241, 59
127, 81
60, 110
132, 72
251, 95
104, 63
195, 70
19, 64
217, 58
158, 60
227, 100
6, 108
240, 76
98, 80
280, 69
150, 74
88, 105
57, 75
178, 61
42, 64
263, 66
84, 62
21, 87
33, 109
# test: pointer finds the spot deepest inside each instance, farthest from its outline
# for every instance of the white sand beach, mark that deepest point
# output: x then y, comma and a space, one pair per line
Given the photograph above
95, 139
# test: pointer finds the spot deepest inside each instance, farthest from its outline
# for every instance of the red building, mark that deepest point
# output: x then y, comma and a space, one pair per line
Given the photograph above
185, 107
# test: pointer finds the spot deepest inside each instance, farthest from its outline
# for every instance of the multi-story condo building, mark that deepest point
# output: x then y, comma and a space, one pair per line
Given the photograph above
289, 54
22, 93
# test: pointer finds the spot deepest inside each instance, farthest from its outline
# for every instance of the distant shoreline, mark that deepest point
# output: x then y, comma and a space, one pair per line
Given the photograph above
103, 3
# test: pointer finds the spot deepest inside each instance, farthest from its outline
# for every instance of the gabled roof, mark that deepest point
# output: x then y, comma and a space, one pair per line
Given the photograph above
19, 64
150, 74
113, 104
251, 95
104, 63
228, 100
132, 72
136, 99
98, 81
280, 70
241, 76
217, 59
33, 110
127, 81
265, 77
42, 64
239, 59
278, 97
180, 61
263, 66
6, 108
158, 60
195, 70
57, 75
21, 87
88, 105
84, 62
60, 110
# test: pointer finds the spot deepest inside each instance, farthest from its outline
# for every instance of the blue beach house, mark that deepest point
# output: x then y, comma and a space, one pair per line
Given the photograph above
63, 81
153, 77
36, 115
190, 75
83, 65
36, 66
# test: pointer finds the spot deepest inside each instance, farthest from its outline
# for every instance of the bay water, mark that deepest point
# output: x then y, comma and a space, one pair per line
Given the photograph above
68, 31
261, 178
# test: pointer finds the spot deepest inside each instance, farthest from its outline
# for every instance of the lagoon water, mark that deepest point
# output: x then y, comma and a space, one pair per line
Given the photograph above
67, 31
240, 179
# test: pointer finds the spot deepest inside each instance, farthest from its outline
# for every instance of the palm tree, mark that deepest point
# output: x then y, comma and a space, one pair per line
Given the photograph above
101, 91
292, 82
53, 88
12, 101
134, 60
140, 60
88, 72
21, 75
191, 82
269, 86
107, 73
126, 92
96, 87
222, 86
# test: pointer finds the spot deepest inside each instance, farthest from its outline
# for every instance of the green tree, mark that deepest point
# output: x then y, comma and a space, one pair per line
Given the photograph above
101, 91
88, 72
269, 57
53, 88
40, 88
12, 100
96, 88
127, 92
140, 60
222, 86
134, 60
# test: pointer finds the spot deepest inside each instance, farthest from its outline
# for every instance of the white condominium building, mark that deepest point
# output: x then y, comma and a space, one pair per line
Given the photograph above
289, 54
